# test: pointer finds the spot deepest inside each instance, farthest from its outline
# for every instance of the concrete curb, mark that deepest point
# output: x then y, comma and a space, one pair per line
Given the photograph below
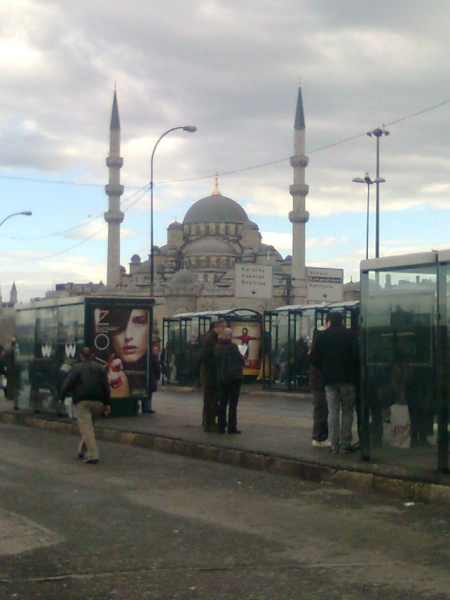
401, 488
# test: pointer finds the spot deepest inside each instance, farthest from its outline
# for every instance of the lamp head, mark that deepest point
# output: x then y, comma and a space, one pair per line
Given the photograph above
378, 132
190, 128
28, 213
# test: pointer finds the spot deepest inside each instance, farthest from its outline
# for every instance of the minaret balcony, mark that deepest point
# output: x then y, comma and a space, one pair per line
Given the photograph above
114, 161
114, 217
299, 189
300, 160
299, 216
113, 189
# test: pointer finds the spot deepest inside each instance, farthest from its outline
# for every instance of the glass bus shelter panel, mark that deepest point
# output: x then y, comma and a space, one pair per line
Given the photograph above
399, 413
203, 328
297, 352
280, 349
172, 342
444, 370
267, 375
50, 339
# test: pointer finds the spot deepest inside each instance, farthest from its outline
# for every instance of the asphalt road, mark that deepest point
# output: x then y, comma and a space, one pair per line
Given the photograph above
142, 524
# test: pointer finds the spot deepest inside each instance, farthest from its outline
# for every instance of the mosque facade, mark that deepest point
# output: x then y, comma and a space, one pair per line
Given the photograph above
195, 270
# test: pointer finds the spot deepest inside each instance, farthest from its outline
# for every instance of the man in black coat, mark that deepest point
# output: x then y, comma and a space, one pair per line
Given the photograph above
336, 352
87, 383
208, 376
230, 363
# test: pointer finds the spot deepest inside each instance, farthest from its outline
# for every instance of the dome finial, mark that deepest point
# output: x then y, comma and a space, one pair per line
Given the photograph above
216, 191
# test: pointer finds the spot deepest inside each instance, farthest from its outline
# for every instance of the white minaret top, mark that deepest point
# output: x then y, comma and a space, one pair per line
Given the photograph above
114, 190
299, 216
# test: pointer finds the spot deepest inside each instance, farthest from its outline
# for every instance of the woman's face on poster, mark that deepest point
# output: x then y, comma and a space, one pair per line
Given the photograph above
130, 343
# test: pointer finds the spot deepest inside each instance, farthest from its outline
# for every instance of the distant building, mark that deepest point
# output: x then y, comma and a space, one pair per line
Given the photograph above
7, 317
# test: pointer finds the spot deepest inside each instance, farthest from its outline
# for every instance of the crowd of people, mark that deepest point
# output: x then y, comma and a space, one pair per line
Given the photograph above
333, 366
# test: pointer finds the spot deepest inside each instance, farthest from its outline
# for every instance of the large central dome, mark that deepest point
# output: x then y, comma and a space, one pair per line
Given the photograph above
216, 209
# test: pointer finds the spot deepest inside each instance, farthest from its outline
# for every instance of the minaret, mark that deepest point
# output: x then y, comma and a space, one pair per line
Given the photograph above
13, 295
299, 216
114, 190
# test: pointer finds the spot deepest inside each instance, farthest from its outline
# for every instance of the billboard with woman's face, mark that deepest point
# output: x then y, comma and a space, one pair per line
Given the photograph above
120, 334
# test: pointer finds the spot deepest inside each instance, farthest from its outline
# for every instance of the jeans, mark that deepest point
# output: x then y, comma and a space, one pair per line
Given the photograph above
341, 405
146, 403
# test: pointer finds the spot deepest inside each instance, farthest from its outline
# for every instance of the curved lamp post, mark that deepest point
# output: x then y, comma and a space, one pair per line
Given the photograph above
189, 129
368, 182
27, 213
377, 133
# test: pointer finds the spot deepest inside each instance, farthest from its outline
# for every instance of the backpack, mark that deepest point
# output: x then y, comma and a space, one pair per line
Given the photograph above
232, 365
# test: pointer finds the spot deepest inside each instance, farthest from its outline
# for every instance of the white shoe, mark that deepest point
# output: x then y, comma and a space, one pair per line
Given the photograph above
324, 444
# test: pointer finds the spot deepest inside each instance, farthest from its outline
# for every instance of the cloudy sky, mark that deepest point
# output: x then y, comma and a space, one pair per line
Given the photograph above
232, 68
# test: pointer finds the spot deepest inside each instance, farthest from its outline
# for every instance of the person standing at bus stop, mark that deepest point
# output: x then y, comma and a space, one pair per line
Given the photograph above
208, 376
88, 384
320, 404
229, 362
336, 352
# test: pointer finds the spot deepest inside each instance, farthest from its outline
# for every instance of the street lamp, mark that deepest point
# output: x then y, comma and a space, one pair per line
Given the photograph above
189, 129
27, 213
377, 133
368, 182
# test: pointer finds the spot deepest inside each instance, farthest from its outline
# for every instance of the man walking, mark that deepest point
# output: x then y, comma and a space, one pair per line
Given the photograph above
88, 385
336, 352
208, 376
230, 363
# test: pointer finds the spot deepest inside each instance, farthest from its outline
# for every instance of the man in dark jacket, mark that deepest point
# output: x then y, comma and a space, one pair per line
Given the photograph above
336, 352
320, 405
88, 385
208, 376
230, 363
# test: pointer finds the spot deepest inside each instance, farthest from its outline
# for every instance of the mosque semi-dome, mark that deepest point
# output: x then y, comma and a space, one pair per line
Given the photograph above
175, 225
184, 278
211, 246
216, 209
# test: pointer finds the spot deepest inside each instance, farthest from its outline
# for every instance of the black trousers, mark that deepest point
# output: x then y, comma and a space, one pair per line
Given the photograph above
209, 405
320, 415
228, 397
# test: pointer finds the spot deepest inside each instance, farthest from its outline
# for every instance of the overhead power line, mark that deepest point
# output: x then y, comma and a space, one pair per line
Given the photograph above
143, 189
249, 168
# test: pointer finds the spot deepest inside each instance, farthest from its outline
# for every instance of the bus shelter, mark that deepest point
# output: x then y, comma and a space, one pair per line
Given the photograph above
287, 338
51, 333
405, 348
184, 333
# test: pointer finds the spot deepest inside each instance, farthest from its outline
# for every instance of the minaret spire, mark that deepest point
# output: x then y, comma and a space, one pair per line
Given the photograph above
114, 190
299, 215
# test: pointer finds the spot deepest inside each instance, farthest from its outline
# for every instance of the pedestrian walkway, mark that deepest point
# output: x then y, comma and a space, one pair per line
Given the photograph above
276, 437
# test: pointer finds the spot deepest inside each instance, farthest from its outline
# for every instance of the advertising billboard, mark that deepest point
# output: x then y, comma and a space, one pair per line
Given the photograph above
120, 333
247, 335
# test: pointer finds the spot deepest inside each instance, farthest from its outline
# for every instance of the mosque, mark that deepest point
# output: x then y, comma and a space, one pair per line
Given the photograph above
196, 269
215, 258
